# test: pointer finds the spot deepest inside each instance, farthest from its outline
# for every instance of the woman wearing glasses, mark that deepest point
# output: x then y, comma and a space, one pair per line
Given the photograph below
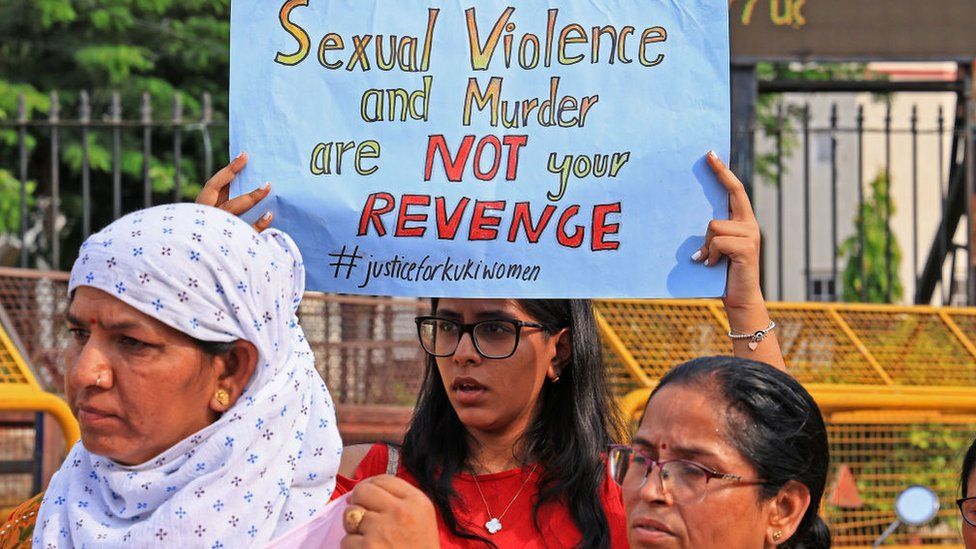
729, 453
508, 441
967, 503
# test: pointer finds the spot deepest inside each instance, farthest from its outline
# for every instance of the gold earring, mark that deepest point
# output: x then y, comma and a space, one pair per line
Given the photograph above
777, 535
222, 396
556, 379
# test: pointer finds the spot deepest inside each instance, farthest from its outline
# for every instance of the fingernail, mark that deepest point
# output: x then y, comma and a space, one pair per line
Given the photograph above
266, 217
696, 256
239, 155
712, 155
266, 187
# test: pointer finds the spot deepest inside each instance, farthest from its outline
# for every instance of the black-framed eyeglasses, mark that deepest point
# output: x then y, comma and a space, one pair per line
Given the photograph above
967, 508
682, 481
494, 338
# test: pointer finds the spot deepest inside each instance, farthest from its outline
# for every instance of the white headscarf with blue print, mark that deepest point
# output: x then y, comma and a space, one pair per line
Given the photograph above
270, 461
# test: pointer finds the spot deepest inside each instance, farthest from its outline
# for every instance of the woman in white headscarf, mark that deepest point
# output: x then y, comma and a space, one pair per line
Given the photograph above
204, 422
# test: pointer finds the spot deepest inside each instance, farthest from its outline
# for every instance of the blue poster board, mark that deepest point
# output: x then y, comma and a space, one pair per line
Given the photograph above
487, 149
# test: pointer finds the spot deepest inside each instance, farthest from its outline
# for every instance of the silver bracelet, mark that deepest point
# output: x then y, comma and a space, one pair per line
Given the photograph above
754, 338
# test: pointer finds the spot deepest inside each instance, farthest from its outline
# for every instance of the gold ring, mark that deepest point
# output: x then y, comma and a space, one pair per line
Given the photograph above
352, 519
98, 381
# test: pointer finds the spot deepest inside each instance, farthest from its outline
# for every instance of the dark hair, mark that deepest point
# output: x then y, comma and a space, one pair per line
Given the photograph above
577, 420
968, 464
775, 423
213, 348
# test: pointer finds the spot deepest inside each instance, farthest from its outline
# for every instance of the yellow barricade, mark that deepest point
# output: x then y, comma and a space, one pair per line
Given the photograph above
20, 392
897, 386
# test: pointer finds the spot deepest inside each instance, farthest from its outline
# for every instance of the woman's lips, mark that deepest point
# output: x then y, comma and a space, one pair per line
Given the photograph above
650, 532
90, 415
468, 391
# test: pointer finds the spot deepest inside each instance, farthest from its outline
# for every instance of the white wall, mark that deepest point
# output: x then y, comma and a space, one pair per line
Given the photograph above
929, 201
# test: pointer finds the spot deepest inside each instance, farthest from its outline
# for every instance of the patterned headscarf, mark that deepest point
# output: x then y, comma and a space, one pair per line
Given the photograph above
270, 461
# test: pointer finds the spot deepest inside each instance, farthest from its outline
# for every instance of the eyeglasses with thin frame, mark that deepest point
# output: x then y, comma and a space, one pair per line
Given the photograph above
967, 508
682, 481
493, 338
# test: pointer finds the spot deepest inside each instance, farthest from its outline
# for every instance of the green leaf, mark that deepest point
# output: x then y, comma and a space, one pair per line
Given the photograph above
10, 201
871, 222
54, 12
116, 62
163, 47
99, 157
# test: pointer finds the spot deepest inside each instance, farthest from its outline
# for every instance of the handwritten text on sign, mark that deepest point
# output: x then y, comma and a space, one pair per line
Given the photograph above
487, 150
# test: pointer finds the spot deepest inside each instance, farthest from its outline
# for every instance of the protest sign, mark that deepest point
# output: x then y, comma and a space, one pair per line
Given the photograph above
324, 529
487, 149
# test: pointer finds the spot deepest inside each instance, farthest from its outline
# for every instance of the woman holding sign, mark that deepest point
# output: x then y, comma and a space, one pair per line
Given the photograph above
514, 416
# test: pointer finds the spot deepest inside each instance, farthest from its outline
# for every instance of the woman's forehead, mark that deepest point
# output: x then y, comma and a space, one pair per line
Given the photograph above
91, 300
477, 307
93, 306
688, 418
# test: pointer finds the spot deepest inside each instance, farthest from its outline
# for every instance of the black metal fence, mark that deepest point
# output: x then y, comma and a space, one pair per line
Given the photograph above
838, 201
841, 202
838, 169
40, 145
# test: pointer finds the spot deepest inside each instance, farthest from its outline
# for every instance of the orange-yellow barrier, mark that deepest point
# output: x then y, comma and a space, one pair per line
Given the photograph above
897, 386
19, 391
846, 344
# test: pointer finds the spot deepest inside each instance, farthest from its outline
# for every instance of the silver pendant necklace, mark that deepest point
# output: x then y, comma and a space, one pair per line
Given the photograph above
494, 524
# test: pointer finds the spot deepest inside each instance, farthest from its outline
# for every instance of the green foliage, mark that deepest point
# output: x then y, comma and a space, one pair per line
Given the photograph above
114, 63
767, 118
54, 12
161, 47
810, 71
10, 201
871, 220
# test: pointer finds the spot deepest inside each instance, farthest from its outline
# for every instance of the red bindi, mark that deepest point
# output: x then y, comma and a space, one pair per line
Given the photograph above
92, 321
664, 445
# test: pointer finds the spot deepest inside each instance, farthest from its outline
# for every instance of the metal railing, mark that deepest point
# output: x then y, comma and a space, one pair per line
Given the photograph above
845, 191
20, 390
58, 128
837, 344
817, 156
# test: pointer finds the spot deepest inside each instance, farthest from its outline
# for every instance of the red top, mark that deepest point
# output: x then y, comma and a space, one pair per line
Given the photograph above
518, 530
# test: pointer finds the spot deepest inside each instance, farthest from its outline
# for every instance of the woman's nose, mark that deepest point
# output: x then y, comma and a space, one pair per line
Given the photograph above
90, 367
466, 351
653, 488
